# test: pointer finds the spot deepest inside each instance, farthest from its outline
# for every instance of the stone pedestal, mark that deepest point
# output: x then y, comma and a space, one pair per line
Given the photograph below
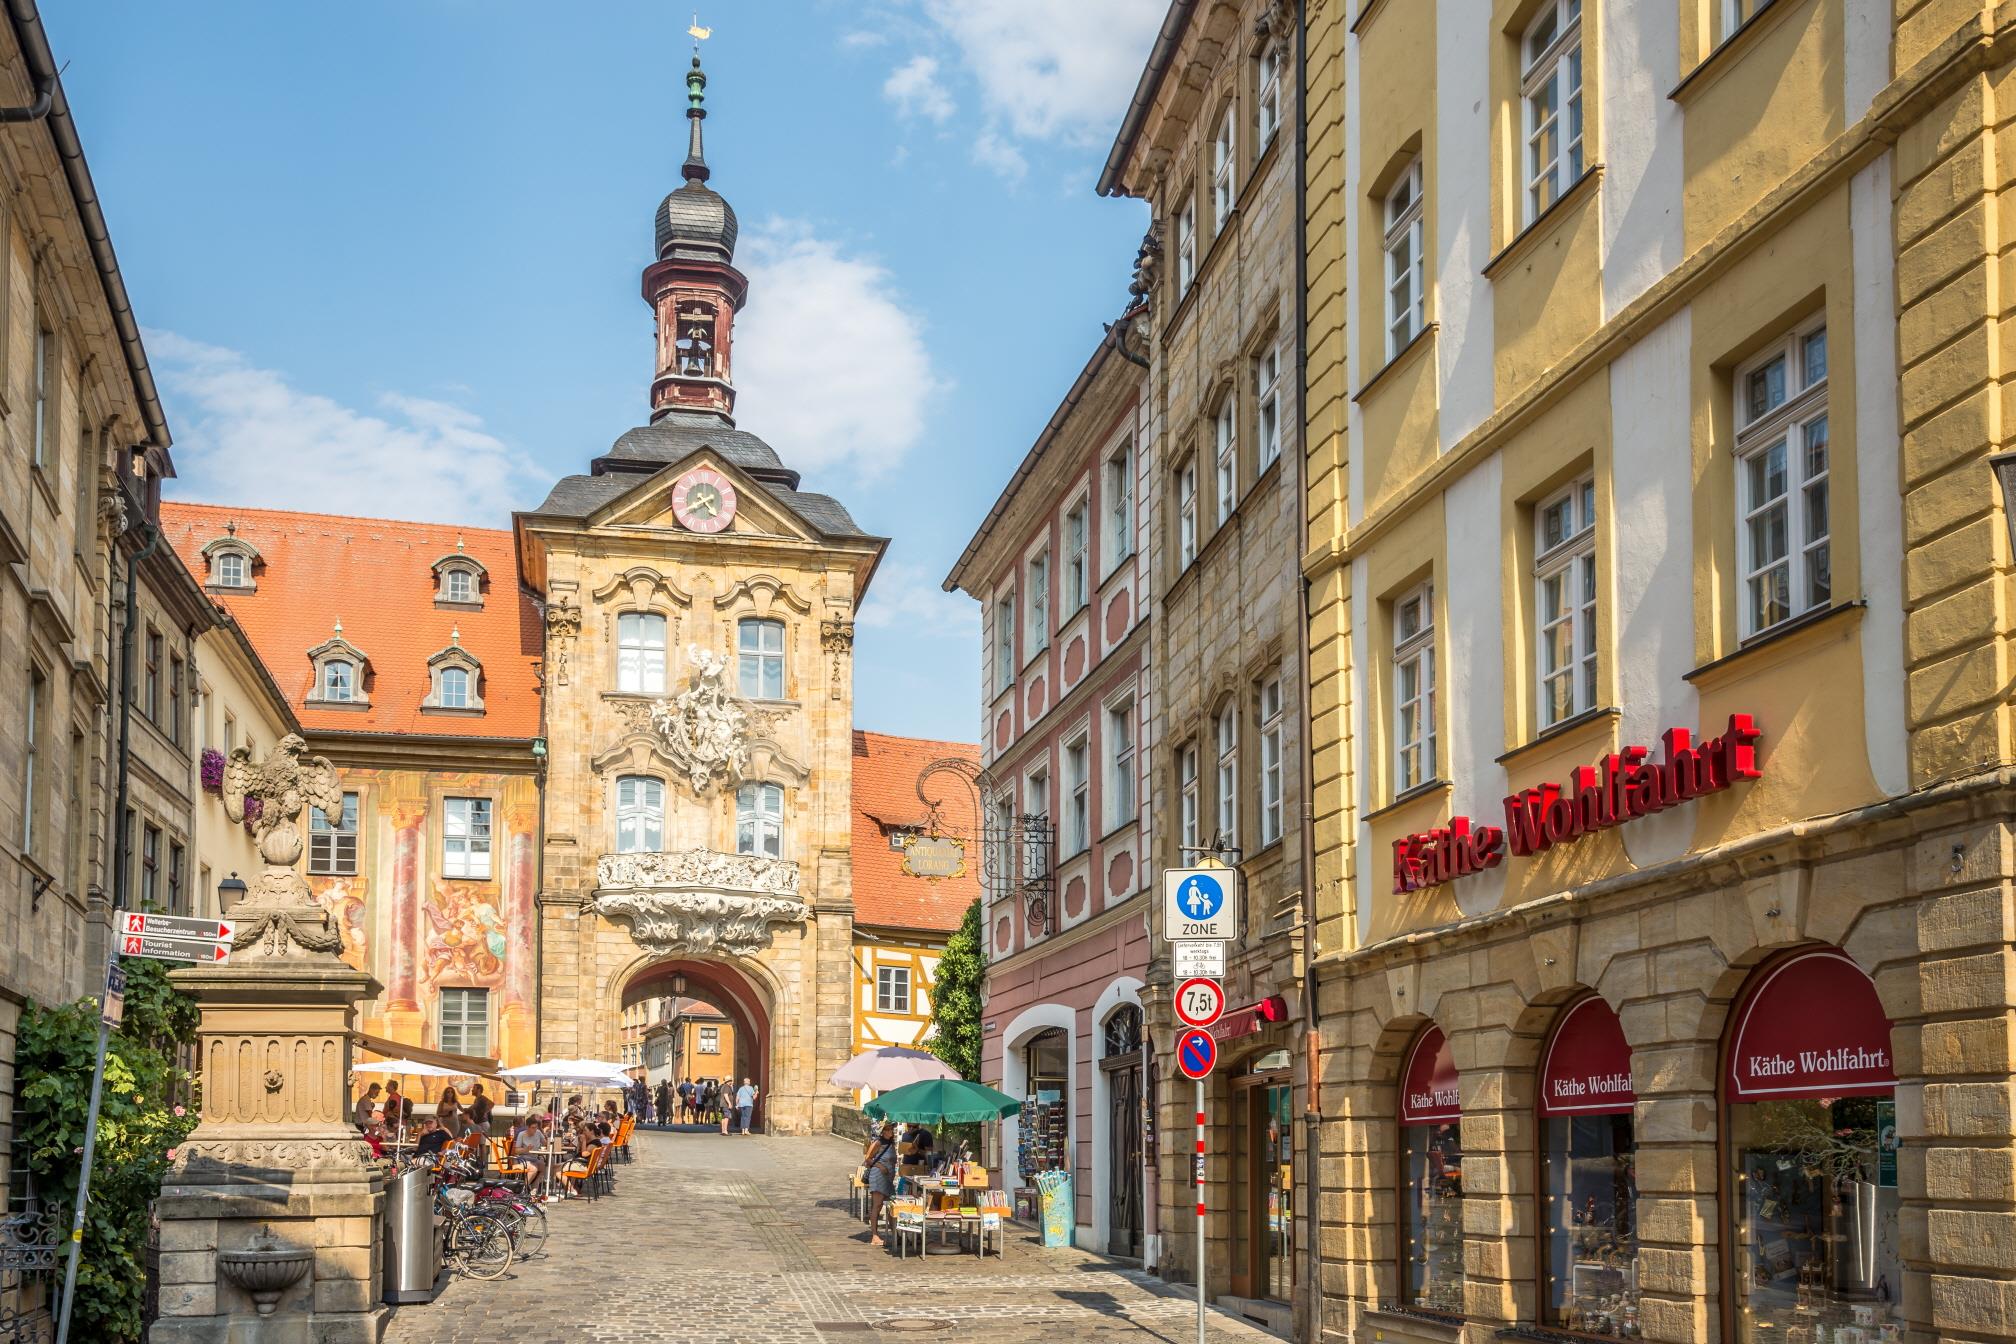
271, 1213
275, 1164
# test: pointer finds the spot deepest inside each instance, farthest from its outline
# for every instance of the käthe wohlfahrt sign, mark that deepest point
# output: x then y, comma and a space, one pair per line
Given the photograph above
1622, 787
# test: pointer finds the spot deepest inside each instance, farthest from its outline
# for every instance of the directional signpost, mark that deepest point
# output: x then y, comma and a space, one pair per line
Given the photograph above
174, 937
175, 926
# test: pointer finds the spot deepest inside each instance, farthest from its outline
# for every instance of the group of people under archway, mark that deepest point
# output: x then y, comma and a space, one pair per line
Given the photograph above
702, 1101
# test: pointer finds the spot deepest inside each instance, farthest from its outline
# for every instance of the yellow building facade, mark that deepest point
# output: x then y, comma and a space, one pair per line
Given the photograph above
1658, 587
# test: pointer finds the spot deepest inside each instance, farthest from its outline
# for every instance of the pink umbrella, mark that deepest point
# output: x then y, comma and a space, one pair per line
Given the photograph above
892, 1066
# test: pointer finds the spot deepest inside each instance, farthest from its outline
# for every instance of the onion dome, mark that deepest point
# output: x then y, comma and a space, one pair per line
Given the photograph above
694, 222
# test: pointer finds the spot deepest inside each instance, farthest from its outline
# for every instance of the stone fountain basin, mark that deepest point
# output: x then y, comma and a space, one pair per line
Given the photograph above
265, 1274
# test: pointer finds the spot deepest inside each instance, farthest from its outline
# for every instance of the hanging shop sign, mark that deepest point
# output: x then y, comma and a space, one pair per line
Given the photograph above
1428, 1091
1588, 1069
1812, 1026
1624, 787
934, 856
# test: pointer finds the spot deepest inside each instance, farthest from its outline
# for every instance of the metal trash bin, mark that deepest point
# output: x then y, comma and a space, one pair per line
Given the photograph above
413, 1238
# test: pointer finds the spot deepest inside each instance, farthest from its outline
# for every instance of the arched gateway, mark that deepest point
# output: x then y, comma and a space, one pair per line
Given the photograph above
698, 683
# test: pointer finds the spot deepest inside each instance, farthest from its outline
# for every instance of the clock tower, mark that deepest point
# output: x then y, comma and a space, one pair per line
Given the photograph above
697, 676
693, 287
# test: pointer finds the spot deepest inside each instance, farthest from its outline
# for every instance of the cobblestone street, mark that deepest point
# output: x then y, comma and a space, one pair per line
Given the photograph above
718, 1240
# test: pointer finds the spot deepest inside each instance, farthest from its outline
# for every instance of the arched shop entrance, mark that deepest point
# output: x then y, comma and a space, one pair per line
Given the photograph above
728, 989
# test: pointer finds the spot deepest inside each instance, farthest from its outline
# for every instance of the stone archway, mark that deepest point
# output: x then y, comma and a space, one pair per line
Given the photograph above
733, 991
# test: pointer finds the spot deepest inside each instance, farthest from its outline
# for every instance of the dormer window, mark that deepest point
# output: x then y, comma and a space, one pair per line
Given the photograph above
231, 560
455, 680
458, 580
339, 680
340, 673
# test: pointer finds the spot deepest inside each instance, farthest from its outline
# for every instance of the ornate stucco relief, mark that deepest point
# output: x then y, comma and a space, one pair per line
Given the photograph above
699, 901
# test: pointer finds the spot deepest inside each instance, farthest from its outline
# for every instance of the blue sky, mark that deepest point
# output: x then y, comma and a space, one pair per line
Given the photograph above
387, 255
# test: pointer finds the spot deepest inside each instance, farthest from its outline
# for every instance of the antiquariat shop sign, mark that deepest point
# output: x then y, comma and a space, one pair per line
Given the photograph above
1624, 787
935, 856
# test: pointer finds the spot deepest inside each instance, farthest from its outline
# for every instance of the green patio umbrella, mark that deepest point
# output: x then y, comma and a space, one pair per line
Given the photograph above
943, 1101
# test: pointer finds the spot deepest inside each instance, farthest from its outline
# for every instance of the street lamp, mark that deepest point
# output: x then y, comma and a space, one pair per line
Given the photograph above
2004, 467
229, 892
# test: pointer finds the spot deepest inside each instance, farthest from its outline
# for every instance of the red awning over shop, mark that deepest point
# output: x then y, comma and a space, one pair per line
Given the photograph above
1428, 1091
1588, 1069
1811, 1026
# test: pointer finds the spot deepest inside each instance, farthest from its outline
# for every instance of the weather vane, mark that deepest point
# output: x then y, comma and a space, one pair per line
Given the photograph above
698, 33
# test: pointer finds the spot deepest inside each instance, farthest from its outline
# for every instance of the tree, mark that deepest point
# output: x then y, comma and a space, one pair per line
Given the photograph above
955, 998
139, 1124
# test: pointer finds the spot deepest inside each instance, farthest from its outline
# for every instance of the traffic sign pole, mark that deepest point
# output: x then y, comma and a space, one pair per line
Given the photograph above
1200, 1211
84, 1177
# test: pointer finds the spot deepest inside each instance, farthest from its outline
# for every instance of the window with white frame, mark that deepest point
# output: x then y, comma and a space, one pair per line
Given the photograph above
1077, 562
1119, 740
231, 569
1270, 760
1406, 300
892, 989
1119, 505
1224, 165
1036, 793
1736, 13
1038, 617
1186, 242
1267, 397
339, 680
1226, 732
1186, 790
759, 820
454, 688
710, 1041
1186, 514
759, 648
1564, 547
465, 1021
1414, 689
1004, 643
1225, 433
640, 815
640, 653
465, 837
458, 585
1781, 480
332, 845
1551, 89
1077, 796
1267, 78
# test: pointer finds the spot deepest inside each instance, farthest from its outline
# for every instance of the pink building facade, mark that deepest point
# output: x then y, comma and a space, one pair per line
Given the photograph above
1059, 569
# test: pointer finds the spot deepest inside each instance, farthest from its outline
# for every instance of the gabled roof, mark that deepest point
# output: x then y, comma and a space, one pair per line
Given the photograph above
377, 577
885, 799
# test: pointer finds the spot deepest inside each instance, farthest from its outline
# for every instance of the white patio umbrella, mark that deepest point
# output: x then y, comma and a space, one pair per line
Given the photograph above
409, 1068
891, 1066
567, 1073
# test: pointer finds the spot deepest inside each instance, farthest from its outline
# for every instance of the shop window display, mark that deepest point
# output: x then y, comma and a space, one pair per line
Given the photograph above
1431, 1149
1588, 1179
1045, 1131
1813, 1150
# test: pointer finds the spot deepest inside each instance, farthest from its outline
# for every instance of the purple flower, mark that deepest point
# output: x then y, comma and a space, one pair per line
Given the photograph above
255, 807
213, 770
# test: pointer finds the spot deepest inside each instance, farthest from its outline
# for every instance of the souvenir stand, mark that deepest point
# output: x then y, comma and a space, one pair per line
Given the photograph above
960, 1199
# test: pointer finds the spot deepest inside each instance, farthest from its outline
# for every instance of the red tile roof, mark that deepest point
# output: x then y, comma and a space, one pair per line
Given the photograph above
377, 578
885, 799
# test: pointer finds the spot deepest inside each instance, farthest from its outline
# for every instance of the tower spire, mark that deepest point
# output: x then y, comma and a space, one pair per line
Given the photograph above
695, 168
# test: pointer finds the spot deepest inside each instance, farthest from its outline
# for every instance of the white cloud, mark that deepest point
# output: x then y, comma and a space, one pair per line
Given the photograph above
246, 435
831, 365
994, 151
914, 88
1053, 69
861, 40
907, 601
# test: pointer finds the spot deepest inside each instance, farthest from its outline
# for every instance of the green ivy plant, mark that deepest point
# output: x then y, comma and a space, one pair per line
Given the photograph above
147, 1108
955, 997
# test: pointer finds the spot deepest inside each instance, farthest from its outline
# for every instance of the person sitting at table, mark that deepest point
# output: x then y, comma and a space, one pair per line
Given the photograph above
374, 1130
528, 1147
432, 1139
880, 1176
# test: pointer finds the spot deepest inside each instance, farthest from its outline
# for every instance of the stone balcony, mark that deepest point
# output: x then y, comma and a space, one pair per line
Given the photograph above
699, 902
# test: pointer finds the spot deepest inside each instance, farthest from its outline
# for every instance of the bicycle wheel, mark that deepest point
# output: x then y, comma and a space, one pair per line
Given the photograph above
484, 1247
531, 1230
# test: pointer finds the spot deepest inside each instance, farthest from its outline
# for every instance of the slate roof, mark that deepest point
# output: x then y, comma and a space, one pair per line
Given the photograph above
377, 577
885, 799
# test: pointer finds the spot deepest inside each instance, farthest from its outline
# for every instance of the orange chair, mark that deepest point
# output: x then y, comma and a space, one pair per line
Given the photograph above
624, 1128
588, 1172
503, 1165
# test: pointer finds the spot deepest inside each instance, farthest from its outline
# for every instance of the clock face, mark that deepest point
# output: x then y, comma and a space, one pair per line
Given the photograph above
704, 500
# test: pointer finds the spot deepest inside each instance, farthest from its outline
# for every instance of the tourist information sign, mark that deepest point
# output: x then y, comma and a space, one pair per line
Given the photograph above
172, 949
175, 926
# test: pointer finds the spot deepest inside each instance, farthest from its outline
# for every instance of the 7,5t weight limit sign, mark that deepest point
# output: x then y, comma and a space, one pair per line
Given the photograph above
1200, 903
1199, 1002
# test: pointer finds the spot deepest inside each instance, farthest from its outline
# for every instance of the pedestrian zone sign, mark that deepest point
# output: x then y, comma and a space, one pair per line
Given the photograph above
1200, 903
